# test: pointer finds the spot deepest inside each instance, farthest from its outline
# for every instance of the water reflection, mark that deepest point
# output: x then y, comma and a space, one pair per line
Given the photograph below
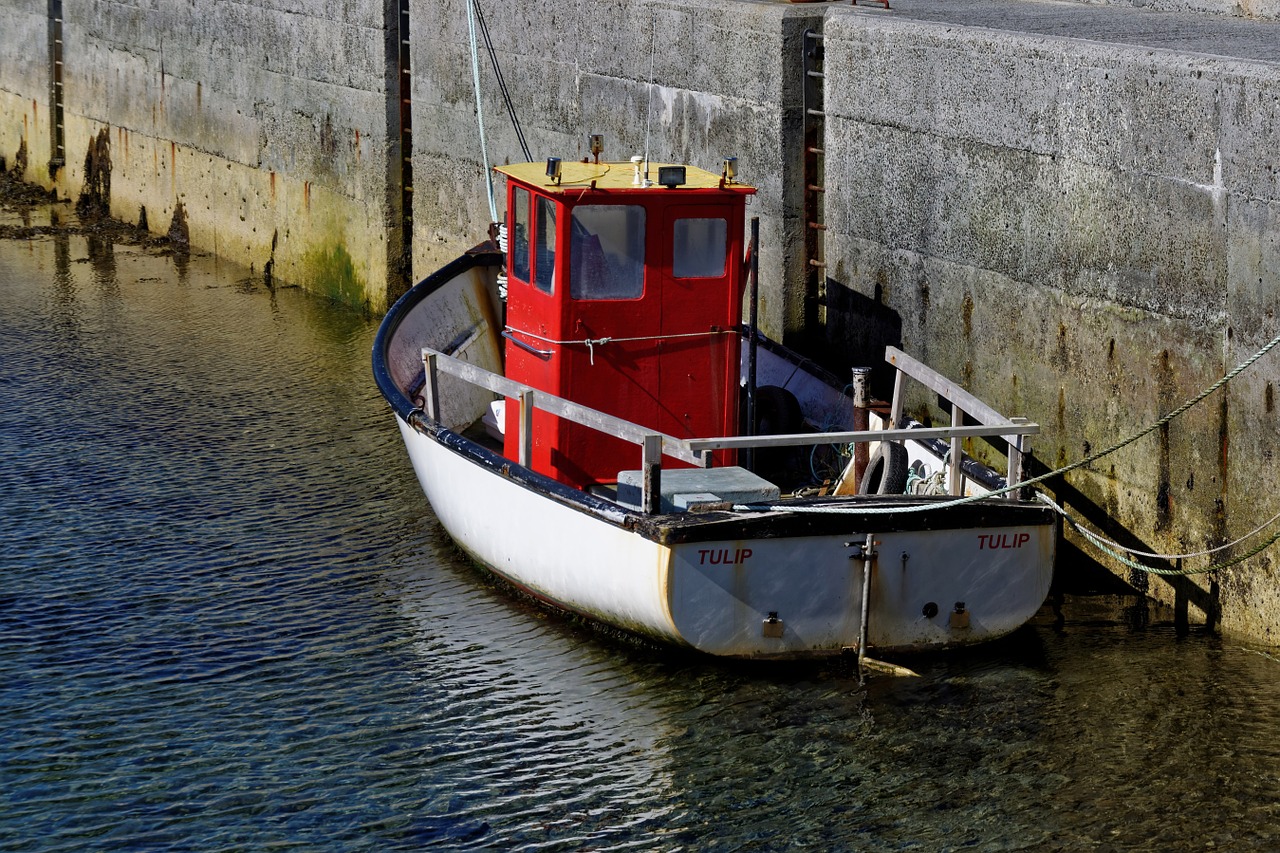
229, 620
102, 256
65, 311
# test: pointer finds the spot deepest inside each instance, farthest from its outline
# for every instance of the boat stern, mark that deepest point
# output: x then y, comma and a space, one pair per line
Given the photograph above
803, 596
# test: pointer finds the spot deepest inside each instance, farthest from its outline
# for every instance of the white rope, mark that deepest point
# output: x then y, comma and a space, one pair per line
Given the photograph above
475, 78
1098, 539
613, 340
858, 509
592, 343
648, 116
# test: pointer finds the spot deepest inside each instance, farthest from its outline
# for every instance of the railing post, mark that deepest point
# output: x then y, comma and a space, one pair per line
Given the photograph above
430, 387
1018, 447
861, 420
753, 337
957, 452
651, 465
895, 408
526, 427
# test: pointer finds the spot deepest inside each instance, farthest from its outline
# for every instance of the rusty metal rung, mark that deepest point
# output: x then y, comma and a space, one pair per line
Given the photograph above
816, 150
815, 188
814, 112
818, 226
819, 264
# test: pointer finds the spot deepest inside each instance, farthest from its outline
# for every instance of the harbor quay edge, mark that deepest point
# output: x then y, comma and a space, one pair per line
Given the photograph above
1084, 232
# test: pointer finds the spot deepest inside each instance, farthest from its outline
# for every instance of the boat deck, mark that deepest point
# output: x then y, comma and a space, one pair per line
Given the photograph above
809, 515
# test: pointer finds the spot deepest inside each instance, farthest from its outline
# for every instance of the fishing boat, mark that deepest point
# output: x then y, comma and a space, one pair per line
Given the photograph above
594, 420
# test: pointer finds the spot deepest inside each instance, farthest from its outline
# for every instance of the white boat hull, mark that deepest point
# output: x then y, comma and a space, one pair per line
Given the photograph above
716, 595
778, 583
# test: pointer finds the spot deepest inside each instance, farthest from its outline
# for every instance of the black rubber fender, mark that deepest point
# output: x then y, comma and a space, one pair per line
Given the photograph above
887, 471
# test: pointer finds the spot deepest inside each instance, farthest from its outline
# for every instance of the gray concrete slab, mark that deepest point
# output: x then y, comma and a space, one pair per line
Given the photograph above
1184, 32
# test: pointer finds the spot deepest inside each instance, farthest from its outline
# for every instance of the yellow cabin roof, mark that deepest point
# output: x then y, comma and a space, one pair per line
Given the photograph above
576, 175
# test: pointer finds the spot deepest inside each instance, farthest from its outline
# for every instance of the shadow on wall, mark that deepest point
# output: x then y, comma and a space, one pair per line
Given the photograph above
858, 330
1076, 572
19, 161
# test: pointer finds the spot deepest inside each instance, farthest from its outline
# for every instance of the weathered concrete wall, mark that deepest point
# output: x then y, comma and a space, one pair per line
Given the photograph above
1085, 234
1254, 9
266, 122
24, 85
728, 79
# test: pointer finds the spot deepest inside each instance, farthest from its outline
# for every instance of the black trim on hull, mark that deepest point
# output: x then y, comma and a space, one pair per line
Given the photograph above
484, 255
676, 528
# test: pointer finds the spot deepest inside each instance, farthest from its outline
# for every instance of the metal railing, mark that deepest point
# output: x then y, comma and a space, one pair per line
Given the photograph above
697, 451
962, 404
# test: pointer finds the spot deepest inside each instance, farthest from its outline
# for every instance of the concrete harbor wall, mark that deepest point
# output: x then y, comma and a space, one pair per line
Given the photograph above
1073, 209
1088, 234
262, 127
1260, 10
685, 81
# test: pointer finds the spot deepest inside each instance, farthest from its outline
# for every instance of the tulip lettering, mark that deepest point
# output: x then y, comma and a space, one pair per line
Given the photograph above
723, 556
993, 541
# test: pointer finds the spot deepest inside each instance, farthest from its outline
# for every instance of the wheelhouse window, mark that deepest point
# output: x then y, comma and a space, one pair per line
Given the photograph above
544, 266
701, 248
521, 261
533, 240
606, 252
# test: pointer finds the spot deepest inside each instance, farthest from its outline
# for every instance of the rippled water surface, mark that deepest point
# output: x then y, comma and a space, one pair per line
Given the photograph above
229, 621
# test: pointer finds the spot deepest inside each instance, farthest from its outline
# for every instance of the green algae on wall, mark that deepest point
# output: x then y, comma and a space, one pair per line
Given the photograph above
331, 271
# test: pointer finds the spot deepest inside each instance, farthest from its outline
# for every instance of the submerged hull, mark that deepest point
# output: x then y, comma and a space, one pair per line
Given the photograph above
784, 582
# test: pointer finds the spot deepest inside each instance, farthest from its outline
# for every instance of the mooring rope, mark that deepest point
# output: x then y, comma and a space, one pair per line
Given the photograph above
1119, 552
475, 79
1066, 469
1169, 557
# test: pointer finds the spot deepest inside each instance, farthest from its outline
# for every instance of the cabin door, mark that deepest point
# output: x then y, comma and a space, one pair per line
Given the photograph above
701, 309
613, 320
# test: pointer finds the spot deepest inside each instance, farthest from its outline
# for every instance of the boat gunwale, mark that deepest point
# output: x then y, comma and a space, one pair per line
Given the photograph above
798, 516
485, 255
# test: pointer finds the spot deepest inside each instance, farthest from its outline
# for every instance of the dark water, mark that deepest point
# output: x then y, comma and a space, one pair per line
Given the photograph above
228, 621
